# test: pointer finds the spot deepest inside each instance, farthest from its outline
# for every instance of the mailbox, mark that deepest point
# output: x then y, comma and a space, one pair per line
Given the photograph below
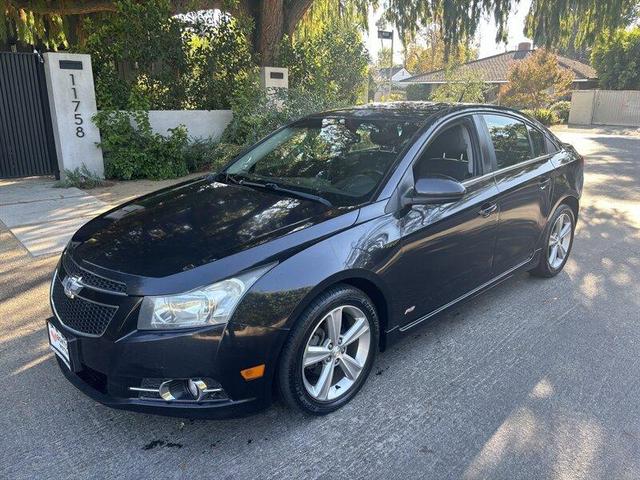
274, 77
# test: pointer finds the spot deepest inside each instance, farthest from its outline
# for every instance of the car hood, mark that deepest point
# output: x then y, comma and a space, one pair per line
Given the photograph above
189, 225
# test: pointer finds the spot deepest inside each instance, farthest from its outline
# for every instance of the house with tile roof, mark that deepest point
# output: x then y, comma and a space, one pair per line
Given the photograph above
397, 73
495, 69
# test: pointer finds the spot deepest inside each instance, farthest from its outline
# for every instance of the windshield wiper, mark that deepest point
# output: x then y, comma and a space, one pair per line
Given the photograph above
277, 188
225, 177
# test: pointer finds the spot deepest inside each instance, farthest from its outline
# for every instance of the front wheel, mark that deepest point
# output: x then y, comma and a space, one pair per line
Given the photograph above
558, 243
330, 351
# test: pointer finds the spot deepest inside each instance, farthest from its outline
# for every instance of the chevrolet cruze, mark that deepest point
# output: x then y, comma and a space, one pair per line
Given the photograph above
291, 268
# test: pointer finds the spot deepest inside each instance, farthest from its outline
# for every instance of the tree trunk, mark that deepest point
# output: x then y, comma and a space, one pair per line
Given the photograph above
269, 30
274, 19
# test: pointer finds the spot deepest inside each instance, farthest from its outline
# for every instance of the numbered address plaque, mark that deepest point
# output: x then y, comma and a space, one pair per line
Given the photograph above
73, 104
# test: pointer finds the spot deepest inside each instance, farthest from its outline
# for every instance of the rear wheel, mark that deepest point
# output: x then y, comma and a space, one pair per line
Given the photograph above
330, 351
558, 243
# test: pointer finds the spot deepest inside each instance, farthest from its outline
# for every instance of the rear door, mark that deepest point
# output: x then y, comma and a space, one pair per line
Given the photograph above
524, 177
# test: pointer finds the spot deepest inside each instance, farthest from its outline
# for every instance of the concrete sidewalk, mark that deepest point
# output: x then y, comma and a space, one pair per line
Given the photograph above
42, 217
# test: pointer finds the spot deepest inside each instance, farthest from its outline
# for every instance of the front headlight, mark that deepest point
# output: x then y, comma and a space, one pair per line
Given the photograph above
211, 305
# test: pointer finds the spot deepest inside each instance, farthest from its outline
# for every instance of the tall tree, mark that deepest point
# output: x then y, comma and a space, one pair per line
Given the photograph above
616, 58
561, 23
426, 52
548, 21
35, 21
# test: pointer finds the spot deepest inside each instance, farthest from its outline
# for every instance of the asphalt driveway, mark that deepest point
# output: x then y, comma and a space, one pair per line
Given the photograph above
535, 379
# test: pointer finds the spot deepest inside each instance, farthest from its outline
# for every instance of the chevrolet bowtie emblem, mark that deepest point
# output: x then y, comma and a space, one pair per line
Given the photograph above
72, 286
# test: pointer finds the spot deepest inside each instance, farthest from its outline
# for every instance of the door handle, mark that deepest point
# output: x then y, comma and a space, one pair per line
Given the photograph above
488, 210
544, 183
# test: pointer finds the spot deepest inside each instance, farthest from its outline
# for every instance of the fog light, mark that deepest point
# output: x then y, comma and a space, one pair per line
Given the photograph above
180, 389
173, 390
196, 388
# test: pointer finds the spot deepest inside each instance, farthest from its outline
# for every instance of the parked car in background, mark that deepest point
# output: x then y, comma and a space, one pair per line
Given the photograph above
310, 252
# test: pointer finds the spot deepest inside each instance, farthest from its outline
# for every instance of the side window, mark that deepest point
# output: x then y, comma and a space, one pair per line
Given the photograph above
537, 142
449, 154
510, 140
551, 146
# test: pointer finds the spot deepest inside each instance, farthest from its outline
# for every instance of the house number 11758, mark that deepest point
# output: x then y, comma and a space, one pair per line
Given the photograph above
78, 120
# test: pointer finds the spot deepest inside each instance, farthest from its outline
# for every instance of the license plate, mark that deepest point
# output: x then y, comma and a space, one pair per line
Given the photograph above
59, 344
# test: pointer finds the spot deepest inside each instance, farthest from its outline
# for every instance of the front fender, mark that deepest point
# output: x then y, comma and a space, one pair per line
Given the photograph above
361, 252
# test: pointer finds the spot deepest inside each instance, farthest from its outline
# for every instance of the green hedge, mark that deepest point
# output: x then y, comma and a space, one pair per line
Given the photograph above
545, 116
562, 109
132, 150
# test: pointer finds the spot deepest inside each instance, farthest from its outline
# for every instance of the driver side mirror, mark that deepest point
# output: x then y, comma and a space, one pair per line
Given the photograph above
434, 191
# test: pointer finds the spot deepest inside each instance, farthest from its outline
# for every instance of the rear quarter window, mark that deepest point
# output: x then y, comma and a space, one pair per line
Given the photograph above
552, 147
538, 142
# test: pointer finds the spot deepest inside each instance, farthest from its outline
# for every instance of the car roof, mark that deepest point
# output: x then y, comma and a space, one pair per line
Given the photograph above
406, 110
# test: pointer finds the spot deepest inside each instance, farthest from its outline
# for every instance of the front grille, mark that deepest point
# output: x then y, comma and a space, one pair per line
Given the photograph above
80, 314
91, 280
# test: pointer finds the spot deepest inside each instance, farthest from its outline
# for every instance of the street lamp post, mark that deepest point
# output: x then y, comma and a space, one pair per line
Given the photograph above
387, 35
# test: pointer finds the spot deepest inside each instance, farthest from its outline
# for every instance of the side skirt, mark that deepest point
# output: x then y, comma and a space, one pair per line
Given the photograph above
476, 291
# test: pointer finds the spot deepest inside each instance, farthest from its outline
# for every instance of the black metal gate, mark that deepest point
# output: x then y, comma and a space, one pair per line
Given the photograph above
27, 146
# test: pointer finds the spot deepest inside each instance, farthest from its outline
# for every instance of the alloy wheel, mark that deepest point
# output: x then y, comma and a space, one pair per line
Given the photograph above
559, 241
336, 352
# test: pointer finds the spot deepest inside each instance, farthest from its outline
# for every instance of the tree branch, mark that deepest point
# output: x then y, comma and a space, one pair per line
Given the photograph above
85, 7
63, 7
296, 10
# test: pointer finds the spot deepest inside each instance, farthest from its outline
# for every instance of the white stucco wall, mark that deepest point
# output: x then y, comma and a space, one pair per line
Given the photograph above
199, 123
605, 107
581, 112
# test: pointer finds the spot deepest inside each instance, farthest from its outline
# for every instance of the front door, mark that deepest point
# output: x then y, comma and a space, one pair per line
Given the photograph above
447, 249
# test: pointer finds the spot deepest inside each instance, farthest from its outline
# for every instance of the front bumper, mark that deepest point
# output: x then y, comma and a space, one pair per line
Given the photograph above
105, 367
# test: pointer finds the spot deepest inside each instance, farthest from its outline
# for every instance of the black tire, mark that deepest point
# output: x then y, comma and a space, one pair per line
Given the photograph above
544, 268
290, 371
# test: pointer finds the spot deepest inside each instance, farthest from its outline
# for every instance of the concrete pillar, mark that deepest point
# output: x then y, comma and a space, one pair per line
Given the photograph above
72, 99
274, 79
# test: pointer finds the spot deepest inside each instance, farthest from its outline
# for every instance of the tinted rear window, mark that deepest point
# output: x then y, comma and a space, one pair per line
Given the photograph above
510, 140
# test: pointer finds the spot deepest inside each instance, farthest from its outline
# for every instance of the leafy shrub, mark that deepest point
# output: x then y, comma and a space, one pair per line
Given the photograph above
536, 82
460, 86
256, 113
326, 70
616, 58
131, 149
198, 154
218, 58
562, 109
144, 56
418, 91
207, 154
545, 116
224, 153
80, 177
332, 63
397, 96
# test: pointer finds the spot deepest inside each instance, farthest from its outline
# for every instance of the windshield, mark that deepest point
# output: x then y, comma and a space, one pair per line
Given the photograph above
341, 159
